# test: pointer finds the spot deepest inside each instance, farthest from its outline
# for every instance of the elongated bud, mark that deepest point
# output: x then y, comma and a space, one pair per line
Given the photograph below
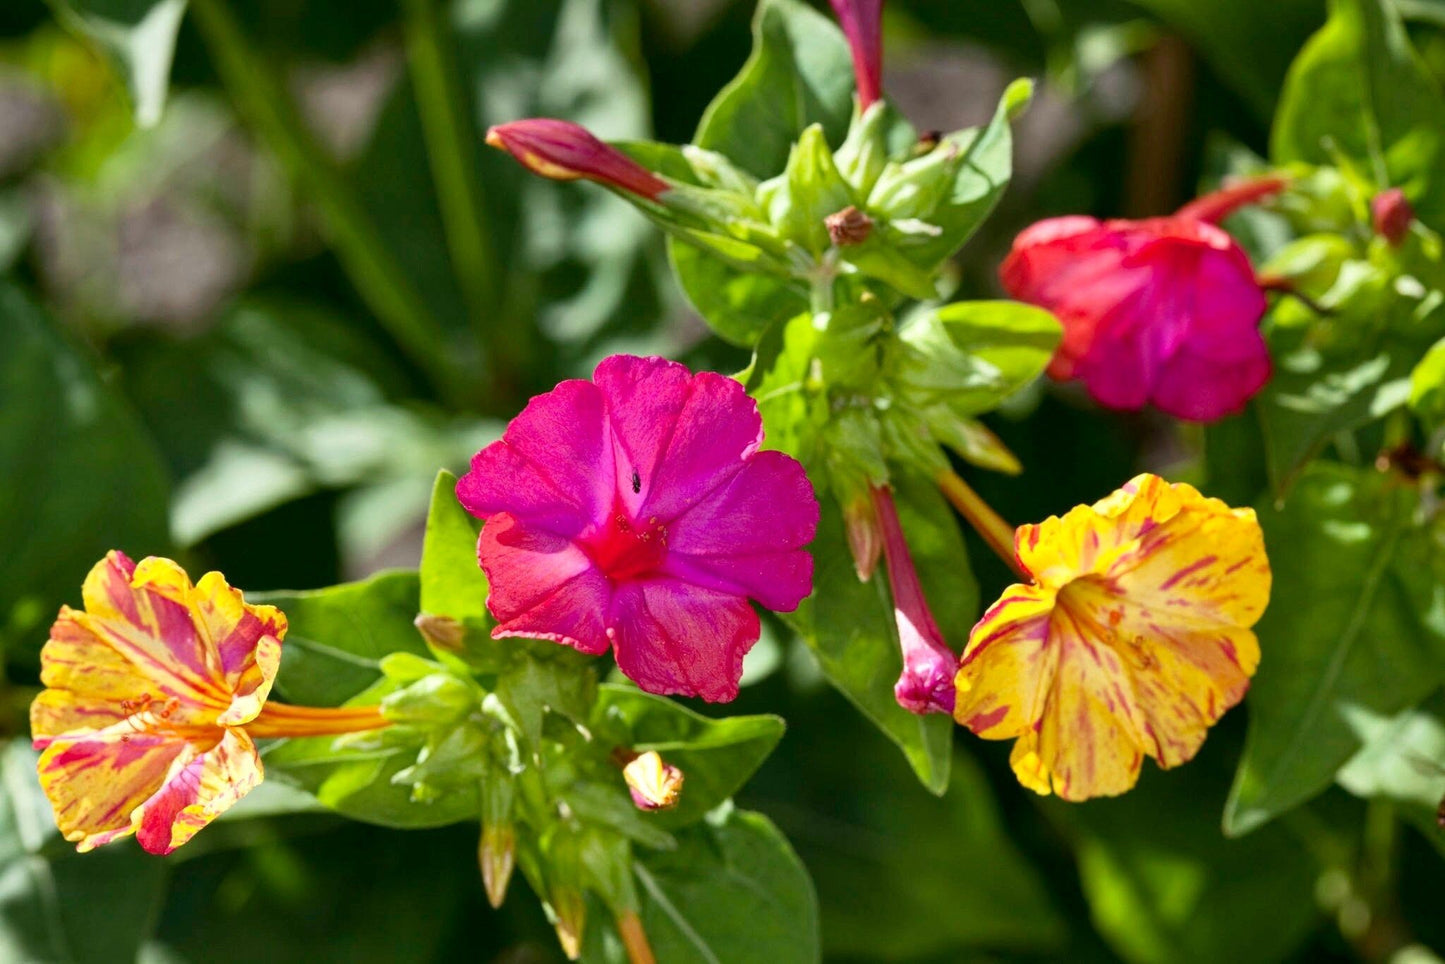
929, 666
653, 783
862, 22
1392, 215
865, 538
564, 889
443, 632
564, 151
498, 850
1218, 205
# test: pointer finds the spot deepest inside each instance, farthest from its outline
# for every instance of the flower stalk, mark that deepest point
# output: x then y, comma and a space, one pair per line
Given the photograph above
991, 527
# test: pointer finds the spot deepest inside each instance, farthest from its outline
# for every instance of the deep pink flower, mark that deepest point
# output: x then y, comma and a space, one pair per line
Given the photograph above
1163, 311
565, 151
1392, 215
862, 22
929, 666
636, 511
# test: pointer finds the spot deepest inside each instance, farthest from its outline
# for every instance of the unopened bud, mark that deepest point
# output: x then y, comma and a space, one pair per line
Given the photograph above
438, 698
862, 22
654, 785
497, 854
865, 538
1392, 215
443, 632
564, 151
848, 227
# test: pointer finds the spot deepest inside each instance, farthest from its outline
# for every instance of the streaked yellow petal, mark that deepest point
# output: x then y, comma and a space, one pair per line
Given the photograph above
1088, 537
87, 680
197, 790
96, 780
1008, 665
246, 641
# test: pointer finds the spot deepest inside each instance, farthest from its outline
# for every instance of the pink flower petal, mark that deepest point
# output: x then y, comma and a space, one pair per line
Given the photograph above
553, 468
198, 788
543, 586
673, 638
767, 506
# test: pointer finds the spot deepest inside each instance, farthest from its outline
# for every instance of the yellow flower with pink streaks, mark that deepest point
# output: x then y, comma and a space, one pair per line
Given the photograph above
1133, 639
154, 696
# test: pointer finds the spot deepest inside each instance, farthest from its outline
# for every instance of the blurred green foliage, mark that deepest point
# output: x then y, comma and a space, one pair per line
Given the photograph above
251, 332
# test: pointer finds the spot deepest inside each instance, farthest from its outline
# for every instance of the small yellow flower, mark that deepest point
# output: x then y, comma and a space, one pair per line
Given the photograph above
1133, 639
653, 783
154, 695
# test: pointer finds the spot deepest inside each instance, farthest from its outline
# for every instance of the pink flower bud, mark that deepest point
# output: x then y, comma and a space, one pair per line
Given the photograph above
653, 783
862, 21
865, 540
929, 666
564, 151
1392, 215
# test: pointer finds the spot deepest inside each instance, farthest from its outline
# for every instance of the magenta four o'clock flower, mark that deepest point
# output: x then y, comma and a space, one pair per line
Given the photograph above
635, 511
862, 22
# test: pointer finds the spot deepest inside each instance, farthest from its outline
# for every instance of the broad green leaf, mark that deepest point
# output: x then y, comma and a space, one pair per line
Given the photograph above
738, 306
337, 636
1427, 388
733, 890
716, 756
1360, 90
849, 625
1163, 887
972, 355
800, 73
886, 858
140, 35
1402, 759
57, 905
452, 583
1343, 634
81, 474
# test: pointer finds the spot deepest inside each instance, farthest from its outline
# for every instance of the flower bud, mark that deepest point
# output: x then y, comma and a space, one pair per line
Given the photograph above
565, 900
654, 784
564, 151
862, 22
497, 852
442, 632
865, 538
1392, 215
438, 698
848, 227
929, 666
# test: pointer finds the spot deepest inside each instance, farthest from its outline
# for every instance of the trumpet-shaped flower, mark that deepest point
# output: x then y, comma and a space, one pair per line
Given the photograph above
1163, 311
926, 683
564, 151
862, 22
1133, 639
154, 693
635, 511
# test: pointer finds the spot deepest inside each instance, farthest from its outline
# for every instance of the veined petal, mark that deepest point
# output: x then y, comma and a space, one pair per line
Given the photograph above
543, 586
86, 679
1088, 538
1008, 668
247, 641
141, 612
673, 638
645, 398
553, 468
198, 788
96, 780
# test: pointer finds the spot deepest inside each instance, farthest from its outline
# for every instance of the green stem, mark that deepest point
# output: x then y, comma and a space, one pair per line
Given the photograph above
997, 534
449, 152
379, 279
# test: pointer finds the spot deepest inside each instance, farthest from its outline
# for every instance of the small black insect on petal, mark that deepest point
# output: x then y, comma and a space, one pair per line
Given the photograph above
636, 483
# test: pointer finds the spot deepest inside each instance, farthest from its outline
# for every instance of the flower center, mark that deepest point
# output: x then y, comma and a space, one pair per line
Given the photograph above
624, 548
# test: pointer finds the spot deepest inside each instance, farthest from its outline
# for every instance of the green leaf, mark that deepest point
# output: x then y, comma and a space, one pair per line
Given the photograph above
57, 905
1402, 758
140, 35
733, 890
737, 305
338, 635
716, 756
82, 476
452, 583
800, 73
887, 858
1343, 634
972, 355
1163, 888
1427, 387
850, 627
1360, 90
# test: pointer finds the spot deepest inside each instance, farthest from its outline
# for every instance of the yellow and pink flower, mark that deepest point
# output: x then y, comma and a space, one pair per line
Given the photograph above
155, 694
1133, 638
